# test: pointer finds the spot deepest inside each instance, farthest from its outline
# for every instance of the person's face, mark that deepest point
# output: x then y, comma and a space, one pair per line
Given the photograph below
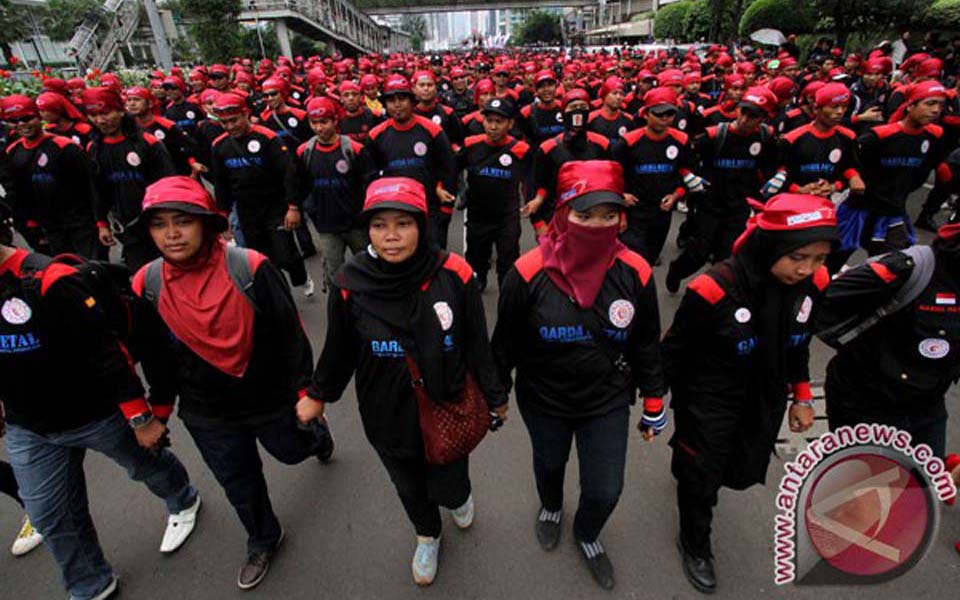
197, 86
547, 92
351, 100
601, 215
500, 78
792, 71
459, 84
871, 79
27, 127
614, 99
394, 235
926, 111
173, 93
399, 107
662, 119
496, 126
734, 93
644, 86
371, 92
235, 125
569, 81
243, 85
273, 99
107, 122
830, 115
324, 128
49, 116
136, 106
693, 87
218, 81
850, 66
792, 268
426, 90
486, 97
208, 106
177, 235
828, 63
748, 120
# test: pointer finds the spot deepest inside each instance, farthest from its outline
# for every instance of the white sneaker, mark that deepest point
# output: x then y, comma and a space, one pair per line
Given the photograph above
463, 516
179, 527
108, 591
28, 538
308, 287
425, 560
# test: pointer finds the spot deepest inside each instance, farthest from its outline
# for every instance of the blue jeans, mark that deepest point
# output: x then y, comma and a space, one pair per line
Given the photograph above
49, 470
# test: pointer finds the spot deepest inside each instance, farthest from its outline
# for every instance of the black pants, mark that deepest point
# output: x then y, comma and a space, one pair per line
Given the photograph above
647, 234
715, 237
483, 234
424, 488
8, 483
277, 245
232, 455
76, 239
138, 249
438, 223
601, 452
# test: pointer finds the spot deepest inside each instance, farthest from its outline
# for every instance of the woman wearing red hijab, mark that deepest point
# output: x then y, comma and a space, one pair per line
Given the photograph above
243, 356
63, 118
578, 319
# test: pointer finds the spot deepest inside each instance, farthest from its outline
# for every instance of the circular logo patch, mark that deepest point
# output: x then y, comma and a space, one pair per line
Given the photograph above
755, 148
253, 146
436, 119
506, 160
133, 159
559, 117
159, 134
76, 139
342, 166
672, 152
925, 146
622, 130
15, 311
805, 308
835, 155
742, 315
495, 103
682, 124
621, 313
292, 122
42, 160
420, 149
444, 314
191, 114
934, 348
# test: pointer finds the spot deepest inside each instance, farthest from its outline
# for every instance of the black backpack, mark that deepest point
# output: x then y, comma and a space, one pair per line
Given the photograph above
238, 266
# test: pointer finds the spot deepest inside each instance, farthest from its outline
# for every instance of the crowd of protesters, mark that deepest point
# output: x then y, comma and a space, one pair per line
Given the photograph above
219, 181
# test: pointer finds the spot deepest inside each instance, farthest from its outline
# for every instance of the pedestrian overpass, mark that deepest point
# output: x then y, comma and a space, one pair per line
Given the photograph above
398, 7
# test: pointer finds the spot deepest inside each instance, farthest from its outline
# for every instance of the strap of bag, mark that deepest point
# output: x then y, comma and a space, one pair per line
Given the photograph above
238, 266
722, 130
153, 281
308, 152
31, 270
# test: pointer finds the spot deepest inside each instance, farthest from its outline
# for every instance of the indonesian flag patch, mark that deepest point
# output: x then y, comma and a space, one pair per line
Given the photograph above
946, 298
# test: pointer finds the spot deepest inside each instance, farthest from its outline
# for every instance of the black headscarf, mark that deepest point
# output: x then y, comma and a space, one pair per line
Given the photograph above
391, 293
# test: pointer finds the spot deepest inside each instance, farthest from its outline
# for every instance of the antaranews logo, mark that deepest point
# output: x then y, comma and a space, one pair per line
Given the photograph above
858, 505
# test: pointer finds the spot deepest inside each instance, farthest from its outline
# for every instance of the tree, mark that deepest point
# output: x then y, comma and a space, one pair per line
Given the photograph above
416, 26
539, 26
16, 26
785, 15
213, 24
668, 20
944, 14
61, 18
848, 16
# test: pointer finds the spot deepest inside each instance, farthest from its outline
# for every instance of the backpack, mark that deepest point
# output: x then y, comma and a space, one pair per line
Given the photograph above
723, 129
109, 284
851, 328
238, 266
346, 149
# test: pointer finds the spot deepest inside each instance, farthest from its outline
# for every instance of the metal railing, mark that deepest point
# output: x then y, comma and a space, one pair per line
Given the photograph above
122, 20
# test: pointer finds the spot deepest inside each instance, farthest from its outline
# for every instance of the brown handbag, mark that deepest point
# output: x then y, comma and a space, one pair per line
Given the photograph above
450, 430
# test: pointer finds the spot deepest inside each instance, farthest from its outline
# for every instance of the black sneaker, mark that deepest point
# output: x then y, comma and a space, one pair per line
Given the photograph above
699, 571
548, 528
926, 222
598, 562
255, 569
322, 430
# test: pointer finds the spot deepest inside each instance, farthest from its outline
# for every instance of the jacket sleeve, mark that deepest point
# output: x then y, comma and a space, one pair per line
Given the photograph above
76, 163
643, 352
151, 344
221, 179
284, 168
445, 163
511, 323
160, 164
478, 353
341, 350
275, 303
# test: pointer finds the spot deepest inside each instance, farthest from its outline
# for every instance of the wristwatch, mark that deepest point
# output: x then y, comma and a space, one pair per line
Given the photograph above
807, 403
141, 419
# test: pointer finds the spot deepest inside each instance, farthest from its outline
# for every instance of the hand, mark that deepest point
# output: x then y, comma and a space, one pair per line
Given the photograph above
630, 199
292, 220
872, 115
196, 169
857, 186
651, 425
801, 418
445, 196
666, 204
309, 409
106, 236
150, 434
531, 207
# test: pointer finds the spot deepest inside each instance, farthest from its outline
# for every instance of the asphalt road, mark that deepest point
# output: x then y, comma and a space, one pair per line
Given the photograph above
347, 535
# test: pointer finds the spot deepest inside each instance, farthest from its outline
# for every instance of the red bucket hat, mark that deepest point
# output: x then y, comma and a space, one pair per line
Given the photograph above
184, 194
397, 193
584, 184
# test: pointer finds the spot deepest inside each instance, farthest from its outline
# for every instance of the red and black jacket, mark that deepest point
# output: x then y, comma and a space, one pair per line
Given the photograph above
551, 155
359, 124
332, 184
123, 168
808, 155
496, 174
614, 127
895, 162
179, 144
652, 168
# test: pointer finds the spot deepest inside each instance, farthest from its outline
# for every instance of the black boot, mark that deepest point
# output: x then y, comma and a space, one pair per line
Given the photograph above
699, 571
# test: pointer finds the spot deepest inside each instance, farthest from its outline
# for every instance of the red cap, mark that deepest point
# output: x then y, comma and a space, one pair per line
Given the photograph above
368, 81
575, 94
543, 76
276, 84
783, 87
184, 194
877, 66
56, 85
396, 84
932, 67
138, 91
323, 108
243, 77
692, 77
76, 83
810, 92
658, 96
762, 98
746, 67
175, 81
316, 76
229, 103
586, 183
916, 93
423, 75
832, 94
457, 72
208, 94
110, 80
789, 212
610, 84
724, 60
733, 80
787, 62
19, 105
398, 193
223, 70
670, 77
101, 100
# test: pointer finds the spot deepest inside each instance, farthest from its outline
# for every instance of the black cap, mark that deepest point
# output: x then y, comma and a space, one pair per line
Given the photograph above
499, 106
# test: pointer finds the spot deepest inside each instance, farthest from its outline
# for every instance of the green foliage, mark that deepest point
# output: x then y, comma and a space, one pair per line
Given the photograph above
697, 21
16, 26
539, 27
668, 21
848, 16
943, 15
788, 16
214, 27
61, 18
304, 46
416, 26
